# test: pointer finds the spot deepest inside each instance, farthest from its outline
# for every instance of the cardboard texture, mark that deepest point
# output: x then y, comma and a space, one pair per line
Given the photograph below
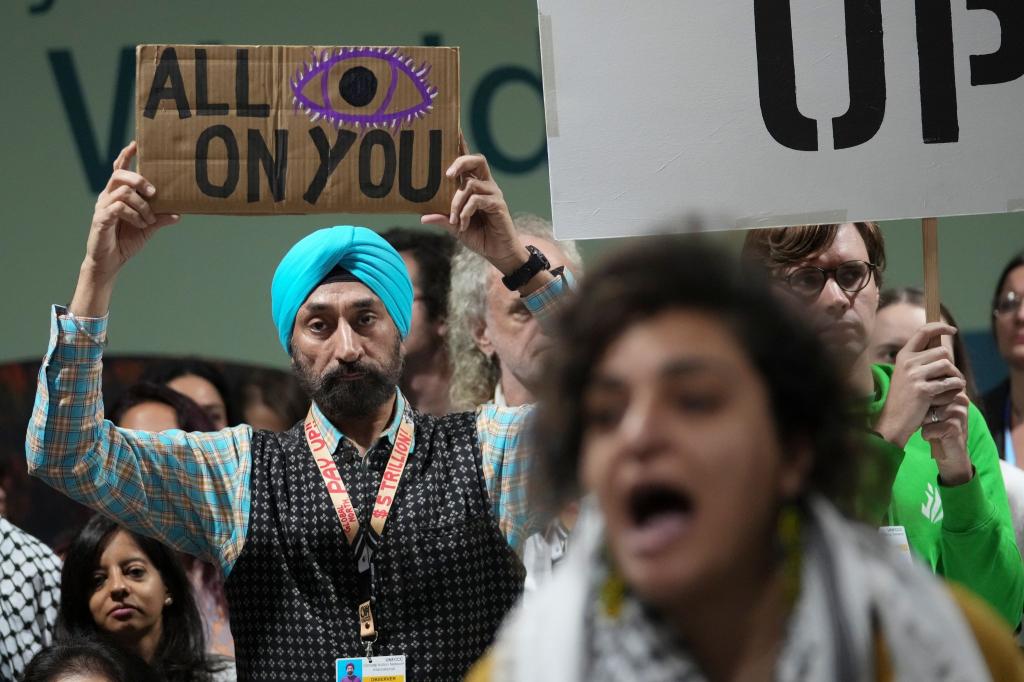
272, 129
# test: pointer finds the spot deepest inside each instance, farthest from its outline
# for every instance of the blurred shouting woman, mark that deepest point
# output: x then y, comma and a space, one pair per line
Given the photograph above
711, 431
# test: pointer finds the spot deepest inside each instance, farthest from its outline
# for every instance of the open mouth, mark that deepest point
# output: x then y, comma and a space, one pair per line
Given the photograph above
659, 515
650, 502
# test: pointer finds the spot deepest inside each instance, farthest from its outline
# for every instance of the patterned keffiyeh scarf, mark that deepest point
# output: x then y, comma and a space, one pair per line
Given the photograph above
852, 588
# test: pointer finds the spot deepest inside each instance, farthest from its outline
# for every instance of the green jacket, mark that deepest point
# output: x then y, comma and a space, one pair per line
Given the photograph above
963, 532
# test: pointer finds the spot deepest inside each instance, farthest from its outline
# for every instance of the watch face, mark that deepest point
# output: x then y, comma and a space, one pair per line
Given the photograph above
545, 264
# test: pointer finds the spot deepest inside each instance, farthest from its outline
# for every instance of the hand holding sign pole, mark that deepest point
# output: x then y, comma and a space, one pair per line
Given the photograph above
945, 426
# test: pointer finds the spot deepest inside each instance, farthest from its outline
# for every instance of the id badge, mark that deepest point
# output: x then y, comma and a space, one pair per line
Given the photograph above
377, 669
896, 537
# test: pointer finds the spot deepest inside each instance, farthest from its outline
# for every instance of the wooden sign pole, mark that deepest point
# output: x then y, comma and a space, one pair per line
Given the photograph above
933, 313
930, 242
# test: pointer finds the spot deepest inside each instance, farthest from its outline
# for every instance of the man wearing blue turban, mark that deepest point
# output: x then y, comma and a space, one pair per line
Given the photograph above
366, 527
344, 262
360, 253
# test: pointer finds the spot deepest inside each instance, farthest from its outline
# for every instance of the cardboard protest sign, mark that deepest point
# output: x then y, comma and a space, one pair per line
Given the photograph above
285, 129
688, 116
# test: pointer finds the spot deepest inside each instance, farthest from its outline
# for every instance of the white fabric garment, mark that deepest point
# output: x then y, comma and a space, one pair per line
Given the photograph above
29, 597
848, 576
1013, 479
542, 552
499, 396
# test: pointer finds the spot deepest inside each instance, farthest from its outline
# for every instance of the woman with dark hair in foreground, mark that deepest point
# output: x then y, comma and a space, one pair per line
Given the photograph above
133, 591
712, 433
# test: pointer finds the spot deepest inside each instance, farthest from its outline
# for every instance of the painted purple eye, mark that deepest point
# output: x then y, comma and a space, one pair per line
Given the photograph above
363, 87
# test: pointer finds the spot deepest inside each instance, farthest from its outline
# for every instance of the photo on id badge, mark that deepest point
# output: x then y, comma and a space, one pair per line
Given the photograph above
350, 669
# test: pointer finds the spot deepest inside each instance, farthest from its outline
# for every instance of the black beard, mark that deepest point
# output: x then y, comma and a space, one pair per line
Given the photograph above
346, 398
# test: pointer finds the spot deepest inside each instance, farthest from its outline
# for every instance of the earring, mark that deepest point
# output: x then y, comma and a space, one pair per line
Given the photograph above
791, 548
169, 600
613, 589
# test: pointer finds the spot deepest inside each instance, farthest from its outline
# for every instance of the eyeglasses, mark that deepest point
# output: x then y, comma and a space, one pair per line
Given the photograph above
851, 276
1008, 304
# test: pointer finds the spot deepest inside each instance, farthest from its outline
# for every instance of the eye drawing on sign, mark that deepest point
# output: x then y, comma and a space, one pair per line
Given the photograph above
363, 87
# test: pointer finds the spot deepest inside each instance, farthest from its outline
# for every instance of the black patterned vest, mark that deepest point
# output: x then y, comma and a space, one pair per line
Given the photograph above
445, 575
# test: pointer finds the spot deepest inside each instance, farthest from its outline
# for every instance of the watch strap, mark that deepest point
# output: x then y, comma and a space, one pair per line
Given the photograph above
527, 270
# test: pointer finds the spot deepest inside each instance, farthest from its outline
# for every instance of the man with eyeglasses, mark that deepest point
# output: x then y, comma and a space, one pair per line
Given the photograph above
935, 482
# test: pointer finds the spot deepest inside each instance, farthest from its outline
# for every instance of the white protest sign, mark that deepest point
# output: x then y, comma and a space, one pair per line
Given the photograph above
680, 116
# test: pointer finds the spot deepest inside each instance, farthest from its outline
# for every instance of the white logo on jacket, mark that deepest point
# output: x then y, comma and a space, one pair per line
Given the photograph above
932, 508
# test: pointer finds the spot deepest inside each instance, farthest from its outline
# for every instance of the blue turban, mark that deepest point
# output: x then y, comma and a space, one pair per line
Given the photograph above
360, 251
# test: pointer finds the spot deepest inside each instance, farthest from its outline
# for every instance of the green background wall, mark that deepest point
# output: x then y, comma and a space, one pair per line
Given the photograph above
203, 286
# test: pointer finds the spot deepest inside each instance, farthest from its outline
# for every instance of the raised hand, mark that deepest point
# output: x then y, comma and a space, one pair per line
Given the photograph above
923, 378
122, 223
479, 216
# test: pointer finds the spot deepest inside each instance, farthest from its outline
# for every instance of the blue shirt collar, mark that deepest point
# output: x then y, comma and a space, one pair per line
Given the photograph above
333, 436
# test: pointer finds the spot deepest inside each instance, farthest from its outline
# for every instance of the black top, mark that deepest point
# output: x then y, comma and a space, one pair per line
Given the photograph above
993, 407
445, 575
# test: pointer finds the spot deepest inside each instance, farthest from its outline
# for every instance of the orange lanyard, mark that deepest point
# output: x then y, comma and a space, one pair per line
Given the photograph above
364, 543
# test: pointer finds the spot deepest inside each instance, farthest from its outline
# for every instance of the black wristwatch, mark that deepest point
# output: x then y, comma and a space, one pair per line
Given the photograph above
527, 270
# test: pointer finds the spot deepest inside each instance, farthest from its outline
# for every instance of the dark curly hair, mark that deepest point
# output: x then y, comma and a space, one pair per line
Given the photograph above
181, 653
807, 397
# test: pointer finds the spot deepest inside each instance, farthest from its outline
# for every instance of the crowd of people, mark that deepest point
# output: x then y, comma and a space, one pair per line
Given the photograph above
491, 465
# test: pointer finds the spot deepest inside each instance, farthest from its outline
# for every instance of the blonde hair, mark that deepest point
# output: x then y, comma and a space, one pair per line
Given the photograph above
474, 375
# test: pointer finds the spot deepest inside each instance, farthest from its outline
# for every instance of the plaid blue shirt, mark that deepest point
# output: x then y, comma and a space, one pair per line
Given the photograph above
191, 490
